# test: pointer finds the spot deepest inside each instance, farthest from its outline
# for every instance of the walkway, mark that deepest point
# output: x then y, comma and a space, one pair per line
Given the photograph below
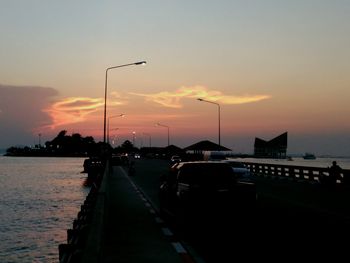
132, 230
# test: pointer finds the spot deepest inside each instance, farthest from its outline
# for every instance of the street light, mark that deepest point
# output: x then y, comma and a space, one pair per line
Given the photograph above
158, 124
119, 115
218, 112
108, 137
105, 107
133, 138
114, 136
150, 140
39, 140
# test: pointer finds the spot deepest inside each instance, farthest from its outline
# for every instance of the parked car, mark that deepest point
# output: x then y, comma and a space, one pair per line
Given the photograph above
175, 159
205, 188
93, 165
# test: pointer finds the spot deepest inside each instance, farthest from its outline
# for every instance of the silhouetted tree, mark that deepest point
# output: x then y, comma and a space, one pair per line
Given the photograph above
64, 144
61, 145
127, 146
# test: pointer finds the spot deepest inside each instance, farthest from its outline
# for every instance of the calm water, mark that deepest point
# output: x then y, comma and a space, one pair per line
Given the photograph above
39, 199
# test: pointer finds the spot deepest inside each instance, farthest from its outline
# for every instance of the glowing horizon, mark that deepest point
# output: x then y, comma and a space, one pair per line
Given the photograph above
272, 66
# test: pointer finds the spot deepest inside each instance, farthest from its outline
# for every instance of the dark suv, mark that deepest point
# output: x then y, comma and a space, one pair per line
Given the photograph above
203, 188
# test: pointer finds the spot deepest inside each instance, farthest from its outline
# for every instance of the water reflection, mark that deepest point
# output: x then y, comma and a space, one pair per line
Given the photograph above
40, 197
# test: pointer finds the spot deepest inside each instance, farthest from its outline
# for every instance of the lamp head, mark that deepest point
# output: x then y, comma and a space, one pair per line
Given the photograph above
200, 99
140, 63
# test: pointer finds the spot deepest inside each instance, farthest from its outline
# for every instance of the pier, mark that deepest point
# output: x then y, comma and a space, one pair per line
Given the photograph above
123, 226
295, 215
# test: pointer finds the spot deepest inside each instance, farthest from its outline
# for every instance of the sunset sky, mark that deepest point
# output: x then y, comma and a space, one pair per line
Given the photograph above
272, 66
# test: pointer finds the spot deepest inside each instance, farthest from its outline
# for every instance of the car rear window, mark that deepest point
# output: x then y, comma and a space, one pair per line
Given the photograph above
209, 175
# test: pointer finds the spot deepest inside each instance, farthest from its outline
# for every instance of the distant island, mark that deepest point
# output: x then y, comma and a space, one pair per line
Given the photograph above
62, 145
74, 145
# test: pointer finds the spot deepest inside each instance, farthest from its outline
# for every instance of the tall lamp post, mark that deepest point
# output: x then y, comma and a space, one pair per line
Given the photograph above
218, 113
162, 125
150, 140
39, 140
105, 107
119, 115
114, 136
133, 138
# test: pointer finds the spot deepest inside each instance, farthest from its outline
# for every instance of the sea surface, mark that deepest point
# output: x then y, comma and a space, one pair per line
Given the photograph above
39, 199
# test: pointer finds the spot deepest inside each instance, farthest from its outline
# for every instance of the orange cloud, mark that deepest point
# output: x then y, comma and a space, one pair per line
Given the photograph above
73, 110
173, 99
76, 109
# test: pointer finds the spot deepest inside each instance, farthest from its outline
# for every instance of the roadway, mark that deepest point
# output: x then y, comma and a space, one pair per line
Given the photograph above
291, 218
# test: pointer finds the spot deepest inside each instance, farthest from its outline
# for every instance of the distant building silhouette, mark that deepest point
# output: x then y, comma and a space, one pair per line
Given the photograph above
199, 150
206, 145
275, 148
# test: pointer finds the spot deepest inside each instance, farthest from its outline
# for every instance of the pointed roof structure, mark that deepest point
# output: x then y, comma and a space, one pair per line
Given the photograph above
206, 146
173, 149
275, 148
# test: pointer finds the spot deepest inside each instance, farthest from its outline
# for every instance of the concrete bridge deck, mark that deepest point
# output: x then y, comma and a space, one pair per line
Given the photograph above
294, 219
126, 227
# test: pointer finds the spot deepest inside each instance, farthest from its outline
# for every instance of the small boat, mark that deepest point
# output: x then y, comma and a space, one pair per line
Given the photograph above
309, 156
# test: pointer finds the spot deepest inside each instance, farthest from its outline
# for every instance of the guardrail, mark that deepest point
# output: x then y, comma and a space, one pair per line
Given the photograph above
298, 173
78, 238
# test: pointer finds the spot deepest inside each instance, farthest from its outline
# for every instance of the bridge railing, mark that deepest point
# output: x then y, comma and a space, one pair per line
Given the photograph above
298, 173
82, 241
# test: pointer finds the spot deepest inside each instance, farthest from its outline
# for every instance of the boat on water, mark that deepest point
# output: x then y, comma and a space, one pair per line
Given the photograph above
309, 156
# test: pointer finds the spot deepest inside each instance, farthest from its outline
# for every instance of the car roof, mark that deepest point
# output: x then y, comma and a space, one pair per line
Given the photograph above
206, 172
205, 162
195, 163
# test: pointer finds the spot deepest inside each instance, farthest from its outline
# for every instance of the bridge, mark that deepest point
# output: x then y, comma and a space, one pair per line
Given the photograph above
295, 215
